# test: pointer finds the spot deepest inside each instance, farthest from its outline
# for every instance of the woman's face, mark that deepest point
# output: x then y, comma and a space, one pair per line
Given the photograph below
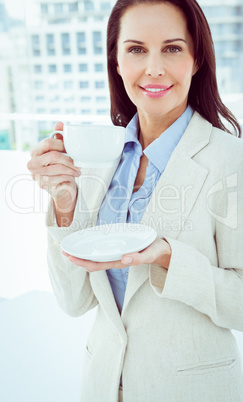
155, 59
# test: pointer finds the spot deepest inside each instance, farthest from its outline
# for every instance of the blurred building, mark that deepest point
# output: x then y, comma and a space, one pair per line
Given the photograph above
4, 18
55, 65
10, 69
225, 18
67, 58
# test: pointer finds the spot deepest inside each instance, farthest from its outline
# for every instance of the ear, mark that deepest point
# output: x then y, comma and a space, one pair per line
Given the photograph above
118, 69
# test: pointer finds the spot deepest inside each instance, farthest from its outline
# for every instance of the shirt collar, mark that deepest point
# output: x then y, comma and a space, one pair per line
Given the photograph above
161, 149
132, 130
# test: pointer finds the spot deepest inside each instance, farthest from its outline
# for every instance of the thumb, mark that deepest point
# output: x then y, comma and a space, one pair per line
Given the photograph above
59, 127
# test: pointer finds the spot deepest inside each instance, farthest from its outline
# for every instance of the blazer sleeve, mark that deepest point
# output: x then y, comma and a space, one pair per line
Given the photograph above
70, 283
216, 291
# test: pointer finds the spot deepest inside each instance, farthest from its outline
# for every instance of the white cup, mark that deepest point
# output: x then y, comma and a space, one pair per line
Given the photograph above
93, 145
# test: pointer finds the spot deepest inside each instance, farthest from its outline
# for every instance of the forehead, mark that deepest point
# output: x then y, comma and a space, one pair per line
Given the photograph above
157, 19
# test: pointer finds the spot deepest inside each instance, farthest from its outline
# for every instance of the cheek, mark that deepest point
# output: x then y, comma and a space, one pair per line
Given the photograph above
185, 72
128, 69
127, 74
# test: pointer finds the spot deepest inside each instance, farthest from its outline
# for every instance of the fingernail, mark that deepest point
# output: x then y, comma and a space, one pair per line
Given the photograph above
127, 260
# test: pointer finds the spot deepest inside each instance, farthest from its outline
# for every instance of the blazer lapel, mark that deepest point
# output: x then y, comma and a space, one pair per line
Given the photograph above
175, 194
181, 182
102, 289
94, 184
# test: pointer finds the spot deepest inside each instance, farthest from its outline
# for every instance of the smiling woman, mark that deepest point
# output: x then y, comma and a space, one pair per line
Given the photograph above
165, 312
160, 68
204, 98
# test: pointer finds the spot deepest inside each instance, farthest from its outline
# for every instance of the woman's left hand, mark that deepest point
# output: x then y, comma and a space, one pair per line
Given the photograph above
159, 252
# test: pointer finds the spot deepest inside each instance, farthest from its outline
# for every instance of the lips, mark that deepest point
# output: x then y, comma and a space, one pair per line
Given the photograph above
155, 91
156, 88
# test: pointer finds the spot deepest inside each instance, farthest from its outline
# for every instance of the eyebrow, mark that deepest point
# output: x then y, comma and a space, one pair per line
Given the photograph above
166, 41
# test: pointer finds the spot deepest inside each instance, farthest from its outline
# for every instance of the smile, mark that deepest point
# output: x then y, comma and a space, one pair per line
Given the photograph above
156, 91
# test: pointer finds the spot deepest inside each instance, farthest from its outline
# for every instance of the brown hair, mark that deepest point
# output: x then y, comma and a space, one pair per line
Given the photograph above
203, 94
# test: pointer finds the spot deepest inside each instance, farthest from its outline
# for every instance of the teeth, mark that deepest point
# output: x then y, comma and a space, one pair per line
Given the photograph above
155, 89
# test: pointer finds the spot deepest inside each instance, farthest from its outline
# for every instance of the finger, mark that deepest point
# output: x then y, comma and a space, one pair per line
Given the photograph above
47, 145
56, 170
146, 256
66, 254
46, 182
54, 157
92, 266
49, 159
59, 126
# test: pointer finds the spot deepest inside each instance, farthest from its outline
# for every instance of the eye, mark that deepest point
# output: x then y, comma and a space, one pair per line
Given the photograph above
173, 49
136, 50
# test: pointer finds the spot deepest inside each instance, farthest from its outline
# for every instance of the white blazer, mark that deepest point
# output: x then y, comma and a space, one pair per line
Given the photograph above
173, 340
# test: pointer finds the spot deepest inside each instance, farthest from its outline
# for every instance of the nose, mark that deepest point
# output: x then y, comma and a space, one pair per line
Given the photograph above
155, 66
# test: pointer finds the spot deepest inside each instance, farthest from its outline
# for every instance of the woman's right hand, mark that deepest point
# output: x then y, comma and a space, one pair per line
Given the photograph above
55, 172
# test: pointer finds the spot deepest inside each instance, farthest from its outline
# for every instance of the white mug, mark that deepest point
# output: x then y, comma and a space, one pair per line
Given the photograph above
93, 145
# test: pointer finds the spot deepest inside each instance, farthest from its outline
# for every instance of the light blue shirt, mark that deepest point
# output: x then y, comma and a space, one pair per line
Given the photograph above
121, 204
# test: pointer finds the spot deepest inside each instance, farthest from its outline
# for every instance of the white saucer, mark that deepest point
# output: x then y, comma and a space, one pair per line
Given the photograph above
108, 242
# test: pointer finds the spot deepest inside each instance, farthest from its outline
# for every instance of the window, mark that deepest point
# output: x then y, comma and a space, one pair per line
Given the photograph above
39, 98
52, 68
38, 84
81, 43
69, 99
83, 67
82, 50
44, 8
99, 67
70, 111
68, 85
99, 84
85, 98
105, 5
73, 7
50, 45
100, 99
38, 69
35, 41
54, 98
67, 68
102, 111
97, 42
85, 111
84, 84
88, 5
36, 52
58, 8
41, 111
239, 10
65, 37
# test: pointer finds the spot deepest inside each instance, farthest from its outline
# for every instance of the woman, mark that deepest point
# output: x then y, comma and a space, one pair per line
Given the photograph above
163, 332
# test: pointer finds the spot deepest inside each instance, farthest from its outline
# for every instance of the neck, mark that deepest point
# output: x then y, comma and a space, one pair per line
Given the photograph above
151, 127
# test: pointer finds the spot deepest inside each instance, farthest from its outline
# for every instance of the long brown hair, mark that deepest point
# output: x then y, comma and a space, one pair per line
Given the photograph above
203, 94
